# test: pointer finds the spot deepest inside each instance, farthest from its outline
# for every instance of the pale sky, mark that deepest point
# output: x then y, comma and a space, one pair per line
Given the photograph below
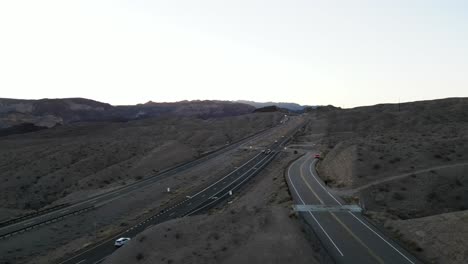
346, 53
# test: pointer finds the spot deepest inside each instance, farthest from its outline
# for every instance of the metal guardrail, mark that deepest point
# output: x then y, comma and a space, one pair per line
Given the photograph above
31, 215
326, 208
168, 171
46, 222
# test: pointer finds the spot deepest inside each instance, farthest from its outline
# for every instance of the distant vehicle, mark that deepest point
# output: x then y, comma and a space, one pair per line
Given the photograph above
276, 141
263, 151
121, 241
268, 151
317, 156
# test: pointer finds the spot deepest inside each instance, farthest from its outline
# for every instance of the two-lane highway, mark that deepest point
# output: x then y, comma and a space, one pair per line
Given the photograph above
347, 235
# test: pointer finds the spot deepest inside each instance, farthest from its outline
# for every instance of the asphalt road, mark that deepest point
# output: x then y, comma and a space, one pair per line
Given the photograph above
347, 235
91, 203
199, 202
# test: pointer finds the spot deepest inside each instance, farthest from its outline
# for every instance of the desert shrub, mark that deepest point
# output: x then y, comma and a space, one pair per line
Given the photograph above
139, 177
295, 152
432, 196
395, 160
398, 196
437, 156
139, 256
376, 166
383, 189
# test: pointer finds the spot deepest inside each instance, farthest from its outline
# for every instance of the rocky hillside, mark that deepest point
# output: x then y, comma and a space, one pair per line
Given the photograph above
401, 162
54, 163
289, 106
50, 112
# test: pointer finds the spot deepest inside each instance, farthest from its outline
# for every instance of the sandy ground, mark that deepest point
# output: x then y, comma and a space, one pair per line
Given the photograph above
437, 239
64, 163
257, 227
402, 163
52, 242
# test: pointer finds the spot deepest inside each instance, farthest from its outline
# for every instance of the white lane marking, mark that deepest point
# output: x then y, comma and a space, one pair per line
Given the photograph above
30, 222
99, 261
311, 172
226, 175
321, 227
382, 238
81, 261
310, 169
271, 157
172, 214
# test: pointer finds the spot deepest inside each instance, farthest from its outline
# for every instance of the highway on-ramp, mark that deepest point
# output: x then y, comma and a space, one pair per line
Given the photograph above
346, 234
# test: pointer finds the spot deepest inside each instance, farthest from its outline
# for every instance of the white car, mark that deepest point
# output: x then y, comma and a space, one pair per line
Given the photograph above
121, 241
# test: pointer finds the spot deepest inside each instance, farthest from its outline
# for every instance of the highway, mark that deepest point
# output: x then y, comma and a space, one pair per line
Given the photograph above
27, 224
345, 233
199, 202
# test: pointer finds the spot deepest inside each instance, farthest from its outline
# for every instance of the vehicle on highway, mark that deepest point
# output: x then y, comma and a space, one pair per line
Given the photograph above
268, 151
121, 241
317, 156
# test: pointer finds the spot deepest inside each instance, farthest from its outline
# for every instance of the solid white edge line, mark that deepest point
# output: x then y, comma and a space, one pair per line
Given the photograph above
311, 172
226, 175
99, 261
382, 238
193, 212
321, 227
315, 178
81, 261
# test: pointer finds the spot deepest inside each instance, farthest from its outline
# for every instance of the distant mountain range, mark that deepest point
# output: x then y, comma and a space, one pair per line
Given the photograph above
289, 106
51, 112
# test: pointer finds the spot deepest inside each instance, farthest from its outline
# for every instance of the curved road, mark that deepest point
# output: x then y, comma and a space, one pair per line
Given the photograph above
348, 236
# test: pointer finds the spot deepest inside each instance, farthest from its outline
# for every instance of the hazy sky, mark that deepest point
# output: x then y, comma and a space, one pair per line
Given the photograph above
345, 53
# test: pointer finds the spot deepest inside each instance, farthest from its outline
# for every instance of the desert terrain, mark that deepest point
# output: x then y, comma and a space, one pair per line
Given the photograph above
406, 165
70, 161
78, 160
257, 226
